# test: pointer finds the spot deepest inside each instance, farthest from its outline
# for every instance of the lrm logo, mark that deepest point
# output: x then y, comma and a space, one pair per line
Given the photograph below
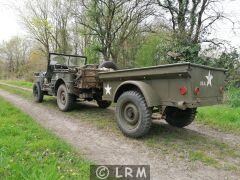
131, 172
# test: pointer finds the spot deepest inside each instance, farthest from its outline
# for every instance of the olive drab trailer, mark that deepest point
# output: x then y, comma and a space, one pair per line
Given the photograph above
175, 91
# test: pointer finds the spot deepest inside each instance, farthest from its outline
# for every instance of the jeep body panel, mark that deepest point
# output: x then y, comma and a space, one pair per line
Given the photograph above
161, 85
59, 77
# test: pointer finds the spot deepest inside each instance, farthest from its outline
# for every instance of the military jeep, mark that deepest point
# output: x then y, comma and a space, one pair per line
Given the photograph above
175, 91
69, 78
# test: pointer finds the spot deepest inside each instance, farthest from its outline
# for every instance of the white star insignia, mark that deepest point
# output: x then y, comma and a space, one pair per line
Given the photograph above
209, 79
108, 90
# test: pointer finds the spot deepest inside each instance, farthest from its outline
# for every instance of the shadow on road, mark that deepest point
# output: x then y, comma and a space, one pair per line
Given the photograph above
106, 117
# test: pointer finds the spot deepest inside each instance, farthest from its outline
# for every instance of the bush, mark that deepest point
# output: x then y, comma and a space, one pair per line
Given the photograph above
234, 96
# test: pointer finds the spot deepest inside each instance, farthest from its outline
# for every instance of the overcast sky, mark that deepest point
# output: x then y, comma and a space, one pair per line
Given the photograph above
10, 25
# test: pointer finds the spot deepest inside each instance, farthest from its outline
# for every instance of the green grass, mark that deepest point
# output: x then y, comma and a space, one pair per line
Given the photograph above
27, 151
177, 143
222, 117
198, 155
18, 83
234, 97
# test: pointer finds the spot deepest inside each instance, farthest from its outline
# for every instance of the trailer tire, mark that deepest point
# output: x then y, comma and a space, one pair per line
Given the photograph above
104, 104
65, 100
180, 118
134, 117
37, 93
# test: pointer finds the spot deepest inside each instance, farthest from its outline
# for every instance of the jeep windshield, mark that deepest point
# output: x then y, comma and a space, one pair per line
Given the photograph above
67, 60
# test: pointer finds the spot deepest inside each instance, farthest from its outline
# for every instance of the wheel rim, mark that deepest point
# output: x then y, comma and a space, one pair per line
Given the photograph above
130, 115
62, 97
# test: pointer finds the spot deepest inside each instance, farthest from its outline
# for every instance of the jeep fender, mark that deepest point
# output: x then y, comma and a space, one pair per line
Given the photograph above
58, 83
151, 97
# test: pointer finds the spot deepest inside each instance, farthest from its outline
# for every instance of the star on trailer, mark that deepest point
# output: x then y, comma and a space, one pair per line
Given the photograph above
108, 90
209, 79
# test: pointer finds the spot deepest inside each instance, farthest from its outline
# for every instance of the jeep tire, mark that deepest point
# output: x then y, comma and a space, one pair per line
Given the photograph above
37, 93
65, 100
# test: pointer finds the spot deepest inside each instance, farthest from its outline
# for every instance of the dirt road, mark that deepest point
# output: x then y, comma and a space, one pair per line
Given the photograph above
105, 148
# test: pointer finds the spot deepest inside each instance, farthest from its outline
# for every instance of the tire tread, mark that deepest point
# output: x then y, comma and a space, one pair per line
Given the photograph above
147, 115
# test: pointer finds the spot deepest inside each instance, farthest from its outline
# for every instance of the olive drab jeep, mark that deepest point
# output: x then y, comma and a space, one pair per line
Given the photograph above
69, 77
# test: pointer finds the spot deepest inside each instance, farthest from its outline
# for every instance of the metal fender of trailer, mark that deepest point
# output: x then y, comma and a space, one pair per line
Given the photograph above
151, 97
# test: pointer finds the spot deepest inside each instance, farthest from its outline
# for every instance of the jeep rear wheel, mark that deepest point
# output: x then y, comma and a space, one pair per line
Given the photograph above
37, 93
180, 118
133, 115
104, 104
65, 100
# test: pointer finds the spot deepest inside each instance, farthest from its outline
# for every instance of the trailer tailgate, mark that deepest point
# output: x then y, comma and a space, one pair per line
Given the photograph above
207, 84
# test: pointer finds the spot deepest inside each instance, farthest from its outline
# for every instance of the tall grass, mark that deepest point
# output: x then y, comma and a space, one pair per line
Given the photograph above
234, 96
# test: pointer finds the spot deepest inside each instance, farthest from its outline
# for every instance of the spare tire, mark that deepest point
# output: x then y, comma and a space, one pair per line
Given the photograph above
108, 65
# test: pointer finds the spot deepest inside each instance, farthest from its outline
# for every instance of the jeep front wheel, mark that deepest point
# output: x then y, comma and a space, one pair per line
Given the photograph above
65, 100
133, 115
37, 93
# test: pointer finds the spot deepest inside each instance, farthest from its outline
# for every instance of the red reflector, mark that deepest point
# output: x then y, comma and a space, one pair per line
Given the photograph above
197, 90
183, 90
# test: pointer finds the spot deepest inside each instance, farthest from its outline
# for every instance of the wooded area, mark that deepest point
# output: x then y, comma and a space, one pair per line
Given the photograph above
132, 33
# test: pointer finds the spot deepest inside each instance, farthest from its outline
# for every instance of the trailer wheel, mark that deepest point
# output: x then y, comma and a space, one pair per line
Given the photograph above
65, 100
180, 118
133, 115
104, 104
37, 93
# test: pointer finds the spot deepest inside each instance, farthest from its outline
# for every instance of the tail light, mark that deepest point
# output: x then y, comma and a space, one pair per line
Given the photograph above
183, 90
197, 90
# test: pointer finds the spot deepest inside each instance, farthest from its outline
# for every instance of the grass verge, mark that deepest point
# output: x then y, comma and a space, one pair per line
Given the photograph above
19, 83
27, 151
222, 117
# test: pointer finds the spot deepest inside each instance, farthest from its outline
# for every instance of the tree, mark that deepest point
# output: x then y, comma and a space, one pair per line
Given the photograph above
61, 16
36, 21
37, 62
112, 22
154, 48
231, 61
190, 19
14, 54
2, 69
50, 23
